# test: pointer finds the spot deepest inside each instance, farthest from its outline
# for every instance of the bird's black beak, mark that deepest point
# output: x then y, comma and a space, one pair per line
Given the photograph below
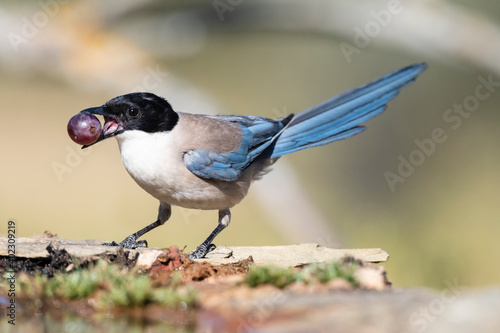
112, 126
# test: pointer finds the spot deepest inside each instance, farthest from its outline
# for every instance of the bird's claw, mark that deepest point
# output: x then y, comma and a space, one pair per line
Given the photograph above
201, 251
129, 243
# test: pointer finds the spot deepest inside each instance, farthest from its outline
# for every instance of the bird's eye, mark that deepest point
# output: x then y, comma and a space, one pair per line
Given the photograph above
133, 112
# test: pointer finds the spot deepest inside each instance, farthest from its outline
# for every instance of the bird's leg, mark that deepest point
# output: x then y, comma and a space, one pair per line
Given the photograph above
131, 241
207, 246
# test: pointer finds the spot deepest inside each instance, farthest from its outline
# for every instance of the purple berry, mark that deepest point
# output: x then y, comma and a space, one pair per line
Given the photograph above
84, 128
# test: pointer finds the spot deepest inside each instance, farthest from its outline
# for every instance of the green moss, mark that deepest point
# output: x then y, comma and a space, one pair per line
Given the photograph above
325, 272
278, 277
112, 285
315, 273
171, 297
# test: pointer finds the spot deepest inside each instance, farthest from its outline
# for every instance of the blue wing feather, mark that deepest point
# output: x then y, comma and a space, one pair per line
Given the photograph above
257, 135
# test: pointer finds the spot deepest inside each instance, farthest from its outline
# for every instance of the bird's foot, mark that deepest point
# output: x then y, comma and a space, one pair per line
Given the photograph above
129, 243
201, 251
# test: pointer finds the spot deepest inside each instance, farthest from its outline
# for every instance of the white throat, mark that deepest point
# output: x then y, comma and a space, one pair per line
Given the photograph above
145, 155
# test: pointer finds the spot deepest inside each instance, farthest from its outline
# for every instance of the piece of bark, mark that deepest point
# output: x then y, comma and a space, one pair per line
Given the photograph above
283, 256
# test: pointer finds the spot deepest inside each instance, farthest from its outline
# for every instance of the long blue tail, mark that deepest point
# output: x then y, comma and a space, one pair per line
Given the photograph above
339, 117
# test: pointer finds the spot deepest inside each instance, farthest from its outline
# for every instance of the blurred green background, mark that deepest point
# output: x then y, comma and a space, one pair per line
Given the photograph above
265, 58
